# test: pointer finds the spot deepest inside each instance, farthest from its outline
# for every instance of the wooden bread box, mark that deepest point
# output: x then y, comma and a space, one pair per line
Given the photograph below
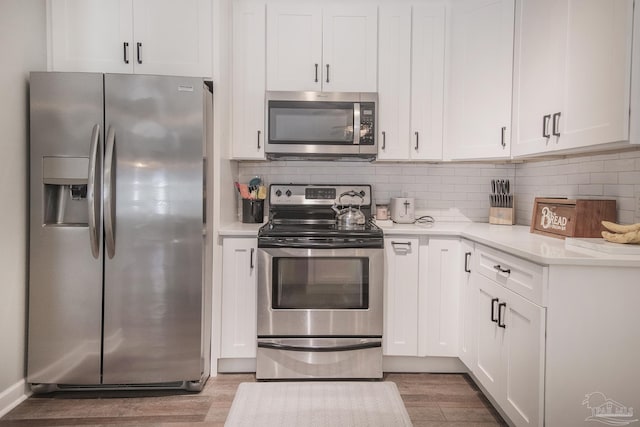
562, 218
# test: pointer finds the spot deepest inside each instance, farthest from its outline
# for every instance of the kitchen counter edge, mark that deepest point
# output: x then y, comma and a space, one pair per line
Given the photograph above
514, 239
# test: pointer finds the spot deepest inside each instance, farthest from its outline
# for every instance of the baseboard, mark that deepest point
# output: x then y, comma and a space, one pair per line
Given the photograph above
423, 364
13, 396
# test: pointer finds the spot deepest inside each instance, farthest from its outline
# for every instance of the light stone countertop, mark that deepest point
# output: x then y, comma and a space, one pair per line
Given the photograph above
514, 239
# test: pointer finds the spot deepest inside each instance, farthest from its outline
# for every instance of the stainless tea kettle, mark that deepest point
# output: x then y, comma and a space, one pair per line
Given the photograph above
349, 217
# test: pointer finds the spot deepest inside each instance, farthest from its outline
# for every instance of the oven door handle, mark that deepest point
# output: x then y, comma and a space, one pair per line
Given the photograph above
360, 346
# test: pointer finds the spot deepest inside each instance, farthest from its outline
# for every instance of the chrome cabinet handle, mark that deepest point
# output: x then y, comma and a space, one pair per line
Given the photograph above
503, 142
417, 141
109, 194
467, 256
316, 79
493, 310
401, 244
384, 140
139, 52
327, 73
501, 315
259, 139
93, 186
126, 52
556, 124
251, 259
545, 126
502, 270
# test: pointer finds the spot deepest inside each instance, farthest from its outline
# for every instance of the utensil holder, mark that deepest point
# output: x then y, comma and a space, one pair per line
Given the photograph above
252, 211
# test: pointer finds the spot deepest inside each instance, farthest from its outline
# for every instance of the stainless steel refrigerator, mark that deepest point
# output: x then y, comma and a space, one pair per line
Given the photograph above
118, 231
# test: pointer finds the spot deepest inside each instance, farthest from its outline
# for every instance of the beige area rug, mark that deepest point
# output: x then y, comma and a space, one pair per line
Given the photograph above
335, 404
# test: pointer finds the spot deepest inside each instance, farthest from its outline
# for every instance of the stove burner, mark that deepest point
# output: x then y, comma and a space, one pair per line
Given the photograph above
301, 214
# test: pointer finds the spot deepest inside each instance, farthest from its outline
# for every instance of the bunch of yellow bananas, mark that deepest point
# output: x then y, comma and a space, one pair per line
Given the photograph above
621, 233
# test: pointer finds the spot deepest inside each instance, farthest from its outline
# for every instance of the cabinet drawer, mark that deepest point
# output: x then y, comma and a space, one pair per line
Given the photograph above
521, 276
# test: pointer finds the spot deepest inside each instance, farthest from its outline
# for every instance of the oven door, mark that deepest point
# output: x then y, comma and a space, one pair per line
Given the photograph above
320, 292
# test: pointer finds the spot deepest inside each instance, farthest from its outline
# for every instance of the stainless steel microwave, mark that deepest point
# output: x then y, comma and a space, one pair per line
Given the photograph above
321, 125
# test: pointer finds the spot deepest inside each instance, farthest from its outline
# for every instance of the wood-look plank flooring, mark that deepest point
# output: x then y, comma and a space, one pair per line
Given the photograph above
442, 400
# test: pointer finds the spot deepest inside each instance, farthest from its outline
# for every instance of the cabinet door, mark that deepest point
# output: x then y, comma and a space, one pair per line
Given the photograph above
489, 367
173, 37
468, 301
294, 47
538, 64
442, 299
480, 78
597, 72
239, 282
427, 82
394, 82
91, 35
349, 48
248, 77
401, 297
523, 356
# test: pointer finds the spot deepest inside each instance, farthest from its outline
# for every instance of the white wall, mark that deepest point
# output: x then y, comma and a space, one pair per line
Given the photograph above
23, 48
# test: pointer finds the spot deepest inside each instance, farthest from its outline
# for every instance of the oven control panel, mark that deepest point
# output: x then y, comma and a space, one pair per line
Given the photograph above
317, 194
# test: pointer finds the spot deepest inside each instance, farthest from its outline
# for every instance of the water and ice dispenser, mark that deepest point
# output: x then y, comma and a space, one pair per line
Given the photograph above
65, 190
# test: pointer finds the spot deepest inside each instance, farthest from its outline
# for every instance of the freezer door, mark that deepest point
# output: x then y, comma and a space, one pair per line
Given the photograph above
153, 229
65, 268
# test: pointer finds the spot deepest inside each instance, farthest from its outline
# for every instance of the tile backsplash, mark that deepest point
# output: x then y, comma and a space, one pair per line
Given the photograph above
611, 176
460, 191
448, 192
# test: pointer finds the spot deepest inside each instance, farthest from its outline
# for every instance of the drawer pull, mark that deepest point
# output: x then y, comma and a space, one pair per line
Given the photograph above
501, 314
401, 243
502, 270
493, 310
467, 255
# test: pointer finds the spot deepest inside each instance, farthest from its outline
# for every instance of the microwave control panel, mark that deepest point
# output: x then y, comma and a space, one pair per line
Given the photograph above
367, 120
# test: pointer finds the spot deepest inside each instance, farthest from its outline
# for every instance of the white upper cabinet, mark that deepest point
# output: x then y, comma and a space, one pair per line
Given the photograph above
172, 37
315, 48
478, 106
394, 82
248, 80
168, 37
411, 81
91, 35
572, 80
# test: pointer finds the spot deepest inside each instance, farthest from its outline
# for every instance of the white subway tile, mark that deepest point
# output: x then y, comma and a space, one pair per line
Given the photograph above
604, 178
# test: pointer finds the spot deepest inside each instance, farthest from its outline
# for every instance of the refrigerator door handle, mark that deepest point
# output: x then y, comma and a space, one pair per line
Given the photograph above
109, 190
93, 185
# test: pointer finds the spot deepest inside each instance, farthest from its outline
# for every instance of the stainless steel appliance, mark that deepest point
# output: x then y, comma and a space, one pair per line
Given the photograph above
118, 233
403, 210
320, 286
319, 124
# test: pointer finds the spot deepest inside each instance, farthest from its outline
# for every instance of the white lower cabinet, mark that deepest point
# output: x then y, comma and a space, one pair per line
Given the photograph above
440, 287
421, 296
468, 297
510, 351
402, 263
239, 293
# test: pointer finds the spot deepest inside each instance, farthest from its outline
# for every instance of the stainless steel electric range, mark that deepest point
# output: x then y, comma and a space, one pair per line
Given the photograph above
320, 284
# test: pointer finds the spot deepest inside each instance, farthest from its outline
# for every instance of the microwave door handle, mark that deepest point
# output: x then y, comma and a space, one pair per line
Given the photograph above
356, 123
